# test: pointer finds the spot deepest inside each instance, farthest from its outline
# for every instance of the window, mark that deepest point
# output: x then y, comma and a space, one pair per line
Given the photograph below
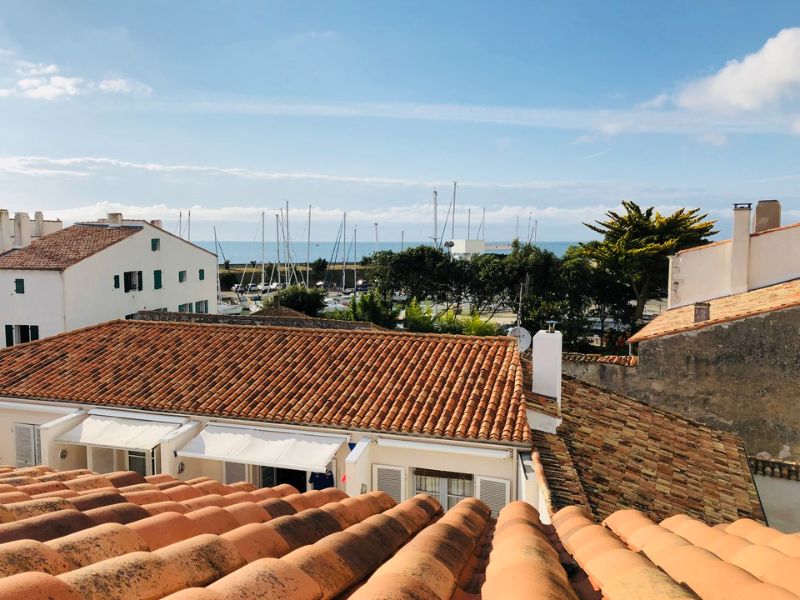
28, 445
137, 461
202, 274
116, 282
133, 281
155, 244
19, 286
21, 334
157, 280
185, 308
181, 276
449, 488
201, 307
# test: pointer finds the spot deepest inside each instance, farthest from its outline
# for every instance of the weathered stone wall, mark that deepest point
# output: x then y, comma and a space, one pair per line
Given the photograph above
742, 376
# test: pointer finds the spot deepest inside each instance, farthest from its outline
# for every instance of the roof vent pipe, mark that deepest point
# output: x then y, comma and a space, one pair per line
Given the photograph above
702, 312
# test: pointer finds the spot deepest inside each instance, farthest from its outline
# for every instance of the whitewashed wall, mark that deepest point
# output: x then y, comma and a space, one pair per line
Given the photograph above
42, 303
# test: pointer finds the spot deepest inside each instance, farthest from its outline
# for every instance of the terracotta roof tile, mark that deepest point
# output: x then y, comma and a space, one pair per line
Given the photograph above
623, 453
729, 308
625, 360
438, 385
64, 248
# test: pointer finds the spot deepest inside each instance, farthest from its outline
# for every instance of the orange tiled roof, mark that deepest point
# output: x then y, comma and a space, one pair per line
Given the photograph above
438, 385
286, 320
729, 308
620, 452
210, 541
64, 248
625, 361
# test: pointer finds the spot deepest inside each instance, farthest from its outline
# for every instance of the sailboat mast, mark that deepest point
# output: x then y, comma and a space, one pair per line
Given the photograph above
402, 239
483, 224
189, 227
216, 251
278, 248
308, 249
435, 221
355, 262
289, 264
469, 218
453, 224
180, 224
344, 248
262, 249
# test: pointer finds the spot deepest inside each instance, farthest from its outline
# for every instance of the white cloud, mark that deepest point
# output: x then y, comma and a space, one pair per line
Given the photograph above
41, 81
753, 83
123, 86
655, 102
713, 138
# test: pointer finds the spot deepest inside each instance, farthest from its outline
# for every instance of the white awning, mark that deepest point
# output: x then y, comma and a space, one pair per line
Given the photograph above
117, 432
282, 448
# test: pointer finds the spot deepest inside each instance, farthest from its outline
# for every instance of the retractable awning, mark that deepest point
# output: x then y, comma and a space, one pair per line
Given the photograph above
118, 432
286, 449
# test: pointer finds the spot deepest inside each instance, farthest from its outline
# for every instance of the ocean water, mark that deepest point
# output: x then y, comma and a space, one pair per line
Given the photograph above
244, 252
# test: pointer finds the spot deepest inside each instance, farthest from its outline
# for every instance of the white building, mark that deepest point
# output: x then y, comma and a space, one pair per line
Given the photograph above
760, 253
93, 272
21, 230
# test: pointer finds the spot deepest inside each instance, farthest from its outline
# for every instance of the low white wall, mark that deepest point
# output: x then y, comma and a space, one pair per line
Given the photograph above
773, 257
700, 275
781, 501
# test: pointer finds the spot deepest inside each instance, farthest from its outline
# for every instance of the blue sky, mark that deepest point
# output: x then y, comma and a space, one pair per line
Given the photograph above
560, 109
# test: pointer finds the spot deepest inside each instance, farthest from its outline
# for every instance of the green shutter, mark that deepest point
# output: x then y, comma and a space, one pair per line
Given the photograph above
116, 282
157, 280
202, 274
19, 286
155, 244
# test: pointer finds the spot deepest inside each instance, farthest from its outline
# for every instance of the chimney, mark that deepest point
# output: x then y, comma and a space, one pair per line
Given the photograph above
547, 346
157, 223
22, 230
115, 218
6, 233
768, 215
38, 227
702, 312
740, 248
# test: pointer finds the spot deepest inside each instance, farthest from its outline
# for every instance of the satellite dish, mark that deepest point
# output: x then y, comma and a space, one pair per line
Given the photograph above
523, 337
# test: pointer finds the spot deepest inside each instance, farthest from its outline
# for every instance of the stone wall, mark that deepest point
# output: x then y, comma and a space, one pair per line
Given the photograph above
742, 376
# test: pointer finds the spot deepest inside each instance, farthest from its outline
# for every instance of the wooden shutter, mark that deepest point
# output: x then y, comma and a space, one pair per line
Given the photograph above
235, 472
19, 286
34, 333
391, 480
494, 492
9, 335
24, 443
157, 280
139, 281
37, 444
126, 277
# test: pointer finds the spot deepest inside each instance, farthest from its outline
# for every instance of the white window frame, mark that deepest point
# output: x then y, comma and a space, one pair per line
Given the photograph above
443, 495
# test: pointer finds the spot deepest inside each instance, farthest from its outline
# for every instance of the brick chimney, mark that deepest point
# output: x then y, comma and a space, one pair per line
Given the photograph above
702, 312
6, 231
768, 215
740, 248
22, 230
547, 347
115, 218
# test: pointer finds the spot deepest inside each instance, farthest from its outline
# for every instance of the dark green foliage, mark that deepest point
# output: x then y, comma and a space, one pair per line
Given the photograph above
297, 297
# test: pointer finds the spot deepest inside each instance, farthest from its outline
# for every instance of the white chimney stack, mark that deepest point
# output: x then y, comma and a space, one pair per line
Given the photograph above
6, 231
38, 220
740, 248
115, 218
768, 215
547, 348
22, 230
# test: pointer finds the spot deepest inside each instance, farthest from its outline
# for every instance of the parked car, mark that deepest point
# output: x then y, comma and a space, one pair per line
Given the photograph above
252, 287
237, 287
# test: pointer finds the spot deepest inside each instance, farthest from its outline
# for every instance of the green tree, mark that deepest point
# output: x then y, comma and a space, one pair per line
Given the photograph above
371, 307
227, 264
298, 297
637, 242
418, 319
474, 325
318, 269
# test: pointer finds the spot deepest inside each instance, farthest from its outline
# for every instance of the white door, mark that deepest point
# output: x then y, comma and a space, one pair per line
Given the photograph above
391, 480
